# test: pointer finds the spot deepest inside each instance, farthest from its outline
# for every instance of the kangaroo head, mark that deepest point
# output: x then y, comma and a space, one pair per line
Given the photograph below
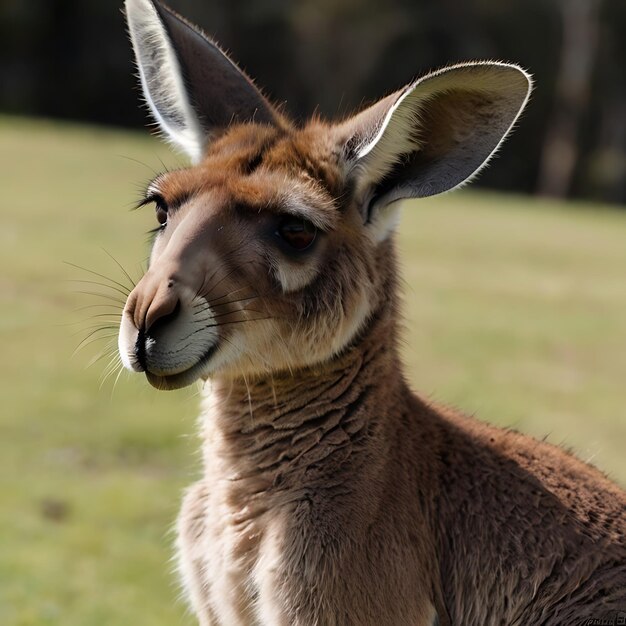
275, 246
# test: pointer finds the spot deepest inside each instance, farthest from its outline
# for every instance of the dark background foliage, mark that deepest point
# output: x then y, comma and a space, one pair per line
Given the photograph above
71, 60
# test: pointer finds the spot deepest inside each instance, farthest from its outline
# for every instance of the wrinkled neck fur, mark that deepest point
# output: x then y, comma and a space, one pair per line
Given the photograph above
297, 430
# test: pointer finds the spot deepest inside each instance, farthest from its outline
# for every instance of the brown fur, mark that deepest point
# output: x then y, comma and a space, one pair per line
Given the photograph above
331, 494
376, 508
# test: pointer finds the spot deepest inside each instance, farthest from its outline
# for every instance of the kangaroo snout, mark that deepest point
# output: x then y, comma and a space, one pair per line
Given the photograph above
156, 298
166, 327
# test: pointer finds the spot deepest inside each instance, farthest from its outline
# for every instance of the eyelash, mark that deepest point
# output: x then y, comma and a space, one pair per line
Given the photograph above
161, 209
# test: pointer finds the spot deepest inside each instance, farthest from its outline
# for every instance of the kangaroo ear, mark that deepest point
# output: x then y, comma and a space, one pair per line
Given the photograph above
192, 88
433, 135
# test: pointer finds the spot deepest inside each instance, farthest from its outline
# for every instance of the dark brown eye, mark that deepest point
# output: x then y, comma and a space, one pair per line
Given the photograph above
298, 233
161, 210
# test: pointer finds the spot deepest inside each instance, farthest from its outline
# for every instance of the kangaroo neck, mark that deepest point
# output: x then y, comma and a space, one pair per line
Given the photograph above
291, 430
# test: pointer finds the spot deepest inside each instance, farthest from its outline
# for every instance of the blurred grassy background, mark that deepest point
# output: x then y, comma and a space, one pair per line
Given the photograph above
514, 311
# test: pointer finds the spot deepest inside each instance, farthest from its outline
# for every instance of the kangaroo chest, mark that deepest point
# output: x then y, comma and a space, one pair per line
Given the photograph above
223, 557
242, 556
253, 566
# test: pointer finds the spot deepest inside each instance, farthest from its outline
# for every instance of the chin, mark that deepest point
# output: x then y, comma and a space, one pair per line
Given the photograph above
170, 383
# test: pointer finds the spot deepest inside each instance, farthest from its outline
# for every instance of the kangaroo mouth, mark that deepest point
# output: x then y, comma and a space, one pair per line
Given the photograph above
182, 379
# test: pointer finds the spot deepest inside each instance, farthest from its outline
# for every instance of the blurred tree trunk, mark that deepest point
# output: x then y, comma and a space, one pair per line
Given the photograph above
579, 42
607, 161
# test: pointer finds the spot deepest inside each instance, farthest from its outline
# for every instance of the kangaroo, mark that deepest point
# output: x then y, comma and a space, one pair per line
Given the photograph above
331, 493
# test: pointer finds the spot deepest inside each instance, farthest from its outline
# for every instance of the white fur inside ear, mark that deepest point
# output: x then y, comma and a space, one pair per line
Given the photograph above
392, 141
384, 222
455, 145
161, 79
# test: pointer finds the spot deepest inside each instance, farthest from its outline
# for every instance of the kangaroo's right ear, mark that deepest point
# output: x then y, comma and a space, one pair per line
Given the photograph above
192, 88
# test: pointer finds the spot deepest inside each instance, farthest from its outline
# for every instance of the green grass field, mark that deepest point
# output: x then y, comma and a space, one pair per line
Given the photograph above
515, 311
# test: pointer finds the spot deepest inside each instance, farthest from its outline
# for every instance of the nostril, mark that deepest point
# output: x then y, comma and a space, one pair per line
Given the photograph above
159, 319
162, 317
140, 349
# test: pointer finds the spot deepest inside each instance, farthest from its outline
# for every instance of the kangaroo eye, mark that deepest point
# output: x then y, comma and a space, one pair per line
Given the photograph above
161, 209
298, 233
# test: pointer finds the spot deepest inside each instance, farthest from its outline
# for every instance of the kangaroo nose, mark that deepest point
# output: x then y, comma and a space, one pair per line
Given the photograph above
159, 309
161, 315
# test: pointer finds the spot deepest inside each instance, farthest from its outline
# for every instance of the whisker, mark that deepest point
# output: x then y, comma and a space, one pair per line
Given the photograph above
245, 380
96, 334
93, 282
102, 295
111, 365
119, 373
110, 370
132, 282
201, 287
115, 282
117, 316
225, 313
166, 168
97, 325
112, 317
252, 319
148, 167
93, 306
205, 306
89, 340
113, 328
213, 303
225, 277
206, 280
107, 352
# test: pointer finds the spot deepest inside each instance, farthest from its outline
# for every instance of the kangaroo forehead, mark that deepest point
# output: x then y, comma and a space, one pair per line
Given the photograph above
249, 149
260, 168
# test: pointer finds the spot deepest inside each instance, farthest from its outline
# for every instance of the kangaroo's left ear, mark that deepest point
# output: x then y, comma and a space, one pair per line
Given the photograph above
193, 89
431, 136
